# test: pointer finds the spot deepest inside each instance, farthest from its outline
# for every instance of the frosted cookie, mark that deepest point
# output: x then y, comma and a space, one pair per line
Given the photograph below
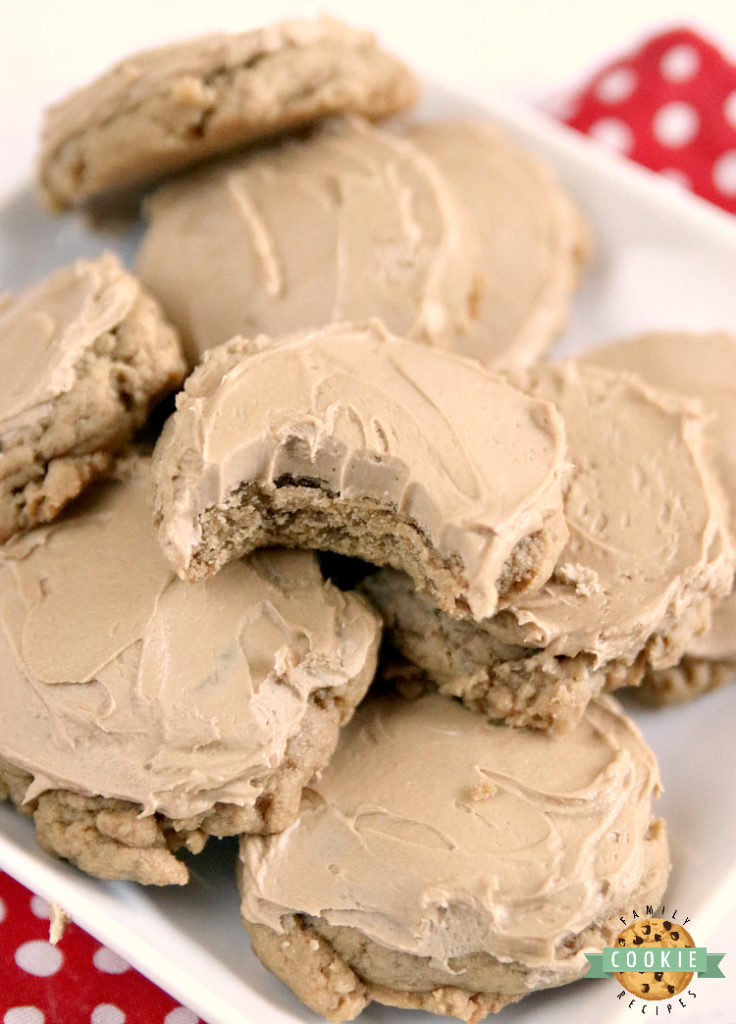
510, 683
84, 356
533, 240
352, 440
646, 555
464, 895
347, 223
165, 109
141, 714
700, 366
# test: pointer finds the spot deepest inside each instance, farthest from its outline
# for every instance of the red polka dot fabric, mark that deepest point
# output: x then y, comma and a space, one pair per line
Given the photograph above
670, 105
76, 982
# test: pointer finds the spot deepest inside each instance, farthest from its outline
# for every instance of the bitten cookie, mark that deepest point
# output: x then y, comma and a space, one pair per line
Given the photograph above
443, 863
347, 223
655, 931
648, 553
141, 714
351, 440
84, 355
533, 240
700, 366
168, 108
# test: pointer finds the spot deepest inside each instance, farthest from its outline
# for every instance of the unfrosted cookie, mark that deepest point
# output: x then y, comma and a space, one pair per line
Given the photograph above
352, 440
168, 108
84, 355
146, 713
533, 240
347, 223
647, 553
700, 366
443, 863
655, 931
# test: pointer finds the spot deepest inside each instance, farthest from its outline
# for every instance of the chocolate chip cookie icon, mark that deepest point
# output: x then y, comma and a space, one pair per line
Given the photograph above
655, 931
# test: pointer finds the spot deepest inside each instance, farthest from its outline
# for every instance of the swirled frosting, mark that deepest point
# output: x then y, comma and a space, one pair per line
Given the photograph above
349, 223
648, 546
436, 833
700, 366
533, 241
120, 680
53, 323
471, 461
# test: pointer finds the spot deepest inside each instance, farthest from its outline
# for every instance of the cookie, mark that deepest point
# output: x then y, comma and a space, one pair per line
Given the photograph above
510, 683
84, 356
347, 223
533, 240
649, 549
655, 931
465, 894
352, 440
700, 366
168, 108
647, 555
146, 714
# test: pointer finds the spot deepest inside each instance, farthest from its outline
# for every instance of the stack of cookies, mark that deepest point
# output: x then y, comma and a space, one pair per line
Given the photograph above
439, 805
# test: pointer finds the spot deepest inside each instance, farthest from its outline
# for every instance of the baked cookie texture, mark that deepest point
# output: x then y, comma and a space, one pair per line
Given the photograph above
648, 552
146, 714
84, 356
467, 894
352, 440
701, 366
511, 683
168, 108
655, 931
533, 240
347, 223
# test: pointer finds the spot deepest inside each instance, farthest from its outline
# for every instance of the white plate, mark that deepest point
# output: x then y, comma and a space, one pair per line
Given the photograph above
663, 260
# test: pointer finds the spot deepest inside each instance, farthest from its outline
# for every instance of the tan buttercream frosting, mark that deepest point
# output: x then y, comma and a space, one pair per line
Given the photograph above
437, 833
648, 547
432, 437
120, 680
700, 366
533, 241
53, 323
349, 223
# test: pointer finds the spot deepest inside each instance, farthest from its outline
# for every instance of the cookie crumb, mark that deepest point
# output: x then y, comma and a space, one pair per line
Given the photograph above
482, 790
58, 921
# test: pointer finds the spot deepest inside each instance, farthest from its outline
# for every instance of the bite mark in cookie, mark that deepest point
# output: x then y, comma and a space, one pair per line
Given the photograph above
352, 440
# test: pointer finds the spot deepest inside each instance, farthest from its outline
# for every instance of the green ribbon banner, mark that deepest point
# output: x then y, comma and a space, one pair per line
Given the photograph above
619, 959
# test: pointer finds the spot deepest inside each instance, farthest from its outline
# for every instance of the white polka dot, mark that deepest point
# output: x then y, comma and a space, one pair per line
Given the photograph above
39, 958
677, 176
613, 133
106, 960
676, 124
724, 173
181, 1015
106, 1013
24, 1015
680, 63
729, 108
40, 906
3, 910
616, 86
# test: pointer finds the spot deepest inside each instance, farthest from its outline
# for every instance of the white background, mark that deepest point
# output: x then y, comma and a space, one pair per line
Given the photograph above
534, 49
